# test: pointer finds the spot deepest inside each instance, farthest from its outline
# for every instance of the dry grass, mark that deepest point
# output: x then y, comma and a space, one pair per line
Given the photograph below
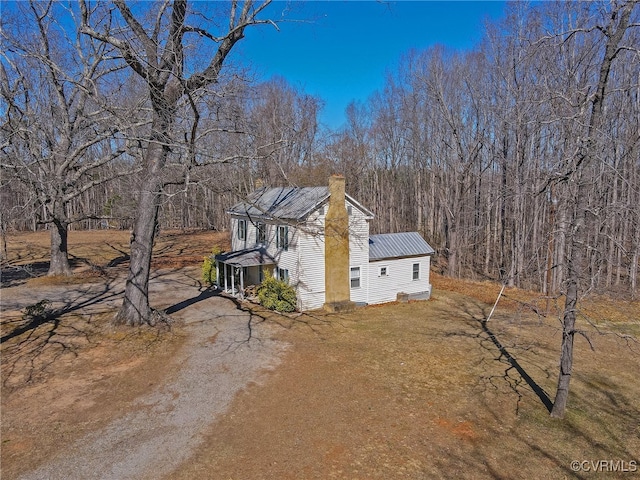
97, 253
418, 390
597, 309
422, 390
513, 299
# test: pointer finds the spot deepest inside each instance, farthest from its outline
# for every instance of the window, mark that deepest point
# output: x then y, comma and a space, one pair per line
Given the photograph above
242, 229
355, 277
282, 237
349, 210
282, 274
261, 234
383, 271
416, 271
321, 211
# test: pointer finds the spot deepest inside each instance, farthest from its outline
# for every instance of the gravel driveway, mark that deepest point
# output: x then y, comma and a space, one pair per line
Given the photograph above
225, 350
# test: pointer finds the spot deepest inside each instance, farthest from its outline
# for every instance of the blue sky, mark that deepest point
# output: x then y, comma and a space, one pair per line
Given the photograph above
342, 50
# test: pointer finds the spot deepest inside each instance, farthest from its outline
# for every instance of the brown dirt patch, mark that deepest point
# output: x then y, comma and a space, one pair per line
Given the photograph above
61, 382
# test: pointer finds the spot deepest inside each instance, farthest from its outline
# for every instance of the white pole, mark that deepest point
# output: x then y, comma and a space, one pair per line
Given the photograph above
233, 280
495, 304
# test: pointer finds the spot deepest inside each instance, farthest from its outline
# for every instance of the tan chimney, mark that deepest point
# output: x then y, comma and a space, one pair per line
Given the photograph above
336, 250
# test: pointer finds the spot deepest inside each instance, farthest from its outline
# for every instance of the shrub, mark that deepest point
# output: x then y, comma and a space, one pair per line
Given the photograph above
209, 266
277, 295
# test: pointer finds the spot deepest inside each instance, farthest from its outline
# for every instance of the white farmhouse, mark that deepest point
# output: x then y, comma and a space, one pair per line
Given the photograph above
297, 234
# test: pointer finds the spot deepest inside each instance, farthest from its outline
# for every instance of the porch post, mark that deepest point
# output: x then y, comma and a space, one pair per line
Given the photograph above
226, 287
233, 280
217, 274
241, 283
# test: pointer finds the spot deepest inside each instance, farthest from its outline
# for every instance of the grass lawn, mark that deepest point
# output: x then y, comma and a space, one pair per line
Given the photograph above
423, 390
420, 390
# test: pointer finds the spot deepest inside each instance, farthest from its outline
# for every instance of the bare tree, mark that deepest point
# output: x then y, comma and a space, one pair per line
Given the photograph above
285, 121
57, 135
158, 53
578, 172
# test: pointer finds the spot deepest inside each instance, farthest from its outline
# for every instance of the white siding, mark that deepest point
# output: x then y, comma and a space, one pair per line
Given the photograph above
285, 259
236, 243
310, 286
305, 261
359, 252
310, 282
399, 278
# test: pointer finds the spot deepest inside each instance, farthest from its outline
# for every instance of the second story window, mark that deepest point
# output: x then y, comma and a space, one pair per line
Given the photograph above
282, 237
355, 277
261, 234
242, 229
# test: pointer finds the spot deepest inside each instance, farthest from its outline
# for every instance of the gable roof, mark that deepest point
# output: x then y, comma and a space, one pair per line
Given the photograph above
395, 245
290, 203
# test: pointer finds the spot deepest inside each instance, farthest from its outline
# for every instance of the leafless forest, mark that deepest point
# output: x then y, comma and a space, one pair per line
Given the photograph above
504, 157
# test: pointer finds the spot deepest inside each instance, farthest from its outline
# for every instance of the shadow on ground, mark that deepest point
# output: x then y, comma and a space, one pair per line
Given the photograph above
12, 276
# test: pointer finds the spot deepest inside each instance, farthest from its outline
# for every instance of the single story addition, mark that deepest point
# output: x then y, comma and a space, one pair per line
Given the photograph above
317, 240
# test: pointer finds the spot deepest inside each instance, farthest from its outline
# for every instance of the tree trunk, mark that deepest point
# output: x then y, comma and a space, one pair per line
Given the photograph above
566, 366
135, 309
59, 262
634, 263
452, 248
560, 248
4, 255
487, 238
574, 272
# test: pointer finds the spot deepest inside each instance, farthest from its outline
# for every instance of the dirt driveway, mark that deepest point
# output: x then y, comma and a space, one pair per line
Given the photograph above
224, 349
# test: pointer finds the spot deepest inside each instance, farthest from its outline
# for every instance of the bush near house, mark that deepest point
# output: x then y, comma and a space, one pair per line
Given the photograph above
209, 266
277, 295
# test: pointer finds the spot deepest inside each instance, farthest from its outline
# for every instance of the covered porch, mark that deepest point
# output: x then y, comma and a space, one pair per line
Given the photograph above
235, 271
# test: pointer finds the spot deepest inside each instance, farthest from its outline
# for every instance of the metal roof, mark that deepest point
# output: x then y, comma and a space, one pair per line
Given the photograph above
394, 245
282, 202
247, 258
291, 203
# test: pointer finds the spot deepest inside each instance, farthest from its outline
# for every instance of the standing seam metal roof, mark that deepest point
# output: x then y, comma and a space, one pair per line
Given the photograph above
395, 245
283, 202
292, 203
